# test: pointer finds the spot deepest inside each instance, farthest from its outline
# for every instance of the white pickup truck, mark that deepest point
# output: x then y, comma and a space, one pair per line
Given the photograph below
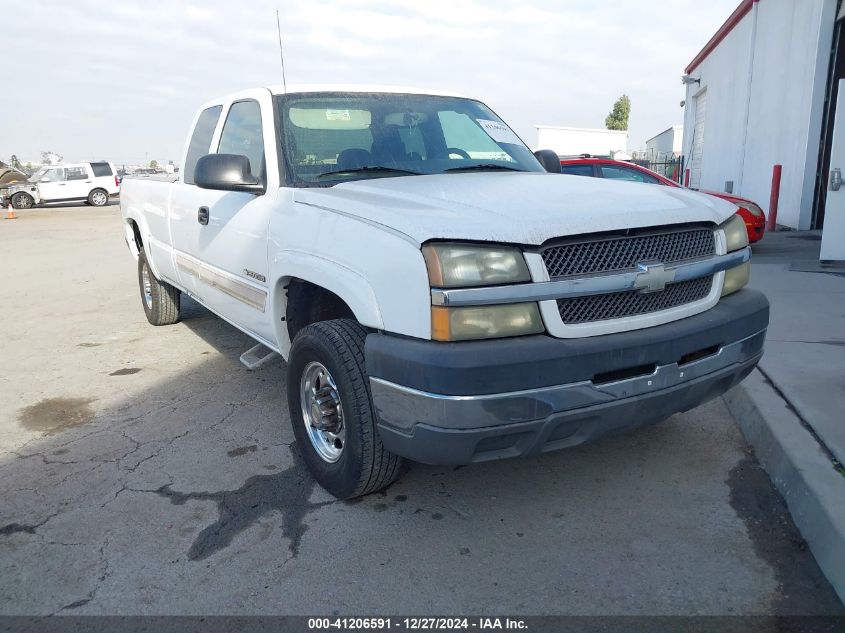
437, 293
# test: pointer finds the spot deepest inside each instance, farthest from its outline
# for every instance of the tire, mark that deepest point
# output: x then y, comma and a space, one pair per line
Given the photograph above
160, 300
98, 198
363, 464
22, 200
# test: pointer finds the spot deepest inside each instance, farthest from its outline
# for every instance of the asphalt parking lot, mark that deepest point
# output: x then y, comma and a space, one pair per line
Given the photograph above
145, 470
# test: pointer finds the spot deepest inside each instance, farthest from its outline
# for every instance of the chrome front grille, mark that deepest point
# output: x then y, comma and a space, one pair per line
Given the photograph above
622, 254
616, 254
632, 302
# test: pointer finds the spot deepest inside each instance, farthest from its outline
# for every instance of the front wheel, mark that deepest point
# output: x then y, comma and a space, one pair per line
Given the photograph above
160, 299
22, 200
331, 411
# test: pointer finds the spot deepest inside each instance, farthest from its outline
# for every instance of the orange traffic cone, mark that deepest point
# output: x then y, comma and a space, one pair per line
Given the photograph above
10, 213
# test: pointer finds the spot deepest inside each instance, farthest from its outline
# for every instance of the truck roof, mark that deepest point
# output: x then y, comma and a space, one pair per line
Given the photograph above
363, 88
317, 88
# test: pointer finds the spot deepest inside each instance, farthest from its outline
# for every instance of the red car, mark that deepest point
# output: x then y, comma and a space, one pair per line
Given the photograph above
752, 214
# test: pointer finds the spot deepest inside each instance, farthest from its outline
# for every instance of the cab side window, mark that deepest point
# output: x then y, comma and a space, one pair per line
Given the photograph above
200, 140
243, 135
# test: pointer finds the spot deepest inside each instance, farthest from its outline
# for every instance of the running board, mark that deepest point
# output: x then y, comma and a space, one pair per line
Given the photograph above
258, 356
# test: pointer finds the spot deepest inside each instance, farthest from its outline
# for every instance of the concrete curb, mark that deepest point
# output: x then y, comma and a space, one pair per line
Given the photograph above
798, 466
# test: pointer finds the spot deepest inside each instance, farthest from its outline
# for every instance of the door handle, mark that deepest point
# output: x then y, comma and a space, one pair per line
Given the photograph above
835, 179
202, 215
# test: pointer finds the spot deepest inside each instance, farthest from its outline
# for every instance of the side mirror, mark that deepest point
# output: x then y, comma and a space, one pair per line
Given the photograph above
548, 159
226, 172
44, 179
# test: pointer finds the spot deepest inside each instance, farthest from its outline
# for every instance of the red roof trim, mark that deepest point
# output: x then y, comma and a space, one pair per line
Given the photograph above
740, 12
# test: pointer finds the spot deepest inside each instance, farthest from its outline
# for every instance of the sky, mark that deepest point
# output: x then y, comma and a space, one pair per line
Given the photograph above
121, 80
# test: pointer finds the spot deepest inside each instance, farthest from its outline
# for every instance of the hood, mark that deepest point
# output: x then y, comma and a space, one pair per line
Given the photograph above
519, 208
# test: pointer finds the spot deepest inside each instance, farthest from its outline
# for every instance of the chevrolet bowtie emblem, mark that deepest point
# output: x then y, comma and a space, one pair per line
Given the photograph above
653, 277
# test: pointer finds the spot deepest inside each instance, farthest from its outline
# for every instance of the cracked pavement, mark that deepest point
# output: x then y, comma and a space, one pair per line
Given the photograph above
145, 471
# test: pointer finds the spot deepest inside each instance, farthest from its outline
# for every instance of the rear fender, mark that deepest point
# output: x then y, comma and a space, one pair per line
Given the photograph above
143, 231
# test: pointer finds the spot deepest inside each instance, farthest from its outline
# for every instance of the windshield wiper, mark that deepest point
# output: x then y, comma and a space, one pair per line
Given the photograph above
370, 169
484, 167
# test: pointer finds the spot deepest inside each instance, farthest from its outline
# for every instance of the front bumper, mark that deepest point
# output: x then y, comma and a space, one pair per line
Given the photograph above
456, 403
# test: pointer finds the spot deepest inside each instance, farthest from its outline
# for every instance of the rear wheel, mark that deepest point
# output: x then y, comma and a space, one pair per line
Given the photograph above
98, 198
160, 299
22, 200
332, 413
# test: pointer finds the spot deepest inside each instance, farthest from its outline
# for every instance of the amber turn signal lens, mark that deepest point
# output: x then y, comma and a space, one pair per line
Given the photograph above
480, 322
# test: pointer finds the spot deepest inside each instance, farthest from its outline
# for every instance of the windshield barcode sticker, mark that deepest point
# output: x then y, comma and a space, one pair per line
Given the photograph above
499, 132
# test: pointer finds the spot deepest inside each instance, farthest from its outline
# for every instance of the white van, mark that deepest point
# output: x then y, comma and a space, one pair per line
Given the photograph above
93, 183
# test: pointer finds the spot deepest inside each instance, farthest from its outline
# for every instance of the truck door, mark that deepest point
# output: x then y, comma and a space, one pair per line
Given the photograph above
78, 182
220, 237
53, 185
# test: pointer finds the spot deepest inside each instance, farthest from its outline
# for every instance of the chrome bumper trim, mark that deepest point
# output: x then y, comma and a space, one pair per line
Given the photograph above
582, 285
402, 407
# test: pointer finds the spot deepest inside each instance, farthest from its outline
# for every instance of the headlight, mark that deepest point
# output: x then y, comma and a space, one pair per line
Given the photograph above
736, 278
736, 235
466, 265
477, 322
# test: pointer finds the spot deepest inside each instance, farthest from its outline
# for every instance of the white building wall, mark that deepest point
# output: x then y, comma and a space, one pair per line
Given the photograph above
571, 141
724, 76
667, 142
770, 113
786, 67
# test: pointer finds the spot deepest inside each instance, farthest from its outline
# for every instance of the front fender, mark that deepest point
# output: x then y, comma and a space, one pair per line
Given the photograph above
352, 287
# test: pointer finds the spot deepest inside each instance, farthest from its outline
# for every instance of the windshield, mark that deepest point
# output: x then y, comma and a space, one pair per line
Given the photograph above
38, 175
339, 137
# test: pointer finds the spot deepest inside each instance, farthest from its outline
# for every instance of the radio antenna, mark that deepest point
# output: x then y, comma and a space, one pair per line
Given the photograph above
281, 53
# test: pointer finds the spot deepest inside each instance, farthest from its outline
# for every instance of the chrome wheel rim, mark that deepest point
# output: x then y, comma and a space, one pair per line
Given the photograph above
147, 289
322, 411
99, 198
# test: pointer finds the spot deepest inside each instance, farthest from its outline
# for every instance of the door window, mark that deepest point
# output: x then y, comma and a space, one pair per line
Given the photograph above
626, 173
243, 135
77, 173
54, 174
200, 140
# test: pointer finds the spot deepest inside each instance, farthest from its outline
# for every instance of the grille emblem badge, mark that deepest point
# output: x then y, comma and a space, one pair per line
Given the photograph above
653, 277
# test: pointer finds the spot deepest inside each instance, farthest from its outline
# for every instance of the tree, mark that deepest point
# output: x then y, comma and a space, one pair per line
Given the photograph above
618, 117
153, 163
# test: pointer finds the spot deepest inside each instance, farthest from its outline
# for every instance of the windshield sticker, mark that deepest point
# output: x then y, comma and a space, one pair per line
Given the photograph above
337, 115
499, 132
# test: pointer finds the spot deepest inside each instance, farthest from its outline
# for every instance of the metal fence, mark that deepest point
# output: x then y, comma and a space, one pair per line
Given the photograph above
671, 168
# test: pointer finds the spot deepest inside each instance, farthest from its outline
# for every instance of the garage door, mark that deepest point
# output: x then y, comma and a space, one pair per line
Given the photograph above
698, 140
